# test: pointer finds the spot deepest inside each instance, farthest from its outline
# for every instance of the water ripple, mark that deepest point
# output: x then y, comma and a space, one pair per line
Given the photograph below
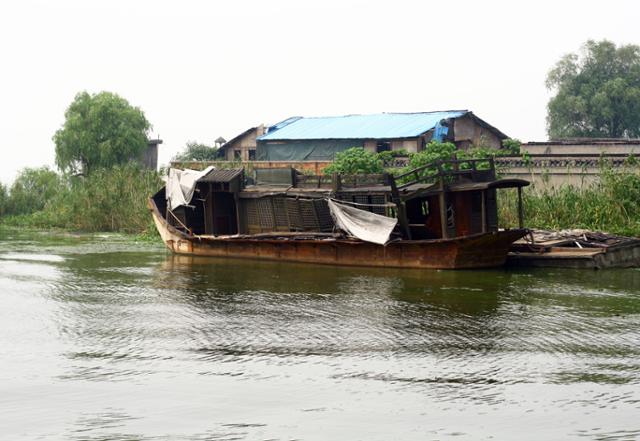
121, 342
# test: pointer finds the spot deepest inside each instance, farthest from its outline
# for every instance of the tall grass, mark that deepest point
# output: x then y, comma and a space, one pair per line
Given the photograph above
107, 200
610, 204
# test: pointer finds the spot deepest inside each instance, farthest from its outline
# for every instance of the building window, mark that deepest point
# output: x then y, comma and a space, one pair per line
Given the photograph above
252, 155
237, 155
383, 146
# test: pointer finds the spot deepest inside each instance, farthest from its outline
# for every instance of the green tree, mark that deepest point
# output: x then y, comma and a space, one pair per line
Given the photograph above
4, 199
511, 146
32, 189
355, 160
434, 151
596, 94
100, 131
195, 151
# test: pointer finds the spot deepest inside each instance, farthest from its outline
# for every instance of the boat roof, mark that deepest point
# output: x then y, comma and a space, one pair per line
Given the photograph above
498, 183
410, 192
259, 191
220, 175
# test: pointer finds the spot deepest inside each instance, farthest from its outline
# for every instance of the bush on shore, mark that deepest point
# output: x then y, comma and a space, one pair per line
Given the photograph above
106, 200
30, 191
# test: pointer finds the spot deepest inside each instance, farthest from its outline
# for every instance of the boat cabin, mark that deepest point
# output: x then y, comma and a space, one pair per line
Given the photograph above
443, 200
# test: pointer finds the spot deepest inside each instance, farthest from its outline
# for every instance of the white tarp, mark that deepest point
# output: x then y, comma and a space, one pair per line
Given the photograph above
181, 184
362, 224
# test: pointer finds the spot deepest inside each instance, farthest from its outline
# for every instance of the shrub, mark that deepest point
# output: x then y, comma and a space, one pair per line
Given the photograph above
388, 156
434, 151
106, 200
355, 160
511, 146
31, 190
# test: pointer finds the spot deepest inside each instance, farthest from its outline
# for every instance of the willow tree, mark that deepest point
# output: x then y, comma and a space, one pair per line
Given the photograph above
100, 131
597, 93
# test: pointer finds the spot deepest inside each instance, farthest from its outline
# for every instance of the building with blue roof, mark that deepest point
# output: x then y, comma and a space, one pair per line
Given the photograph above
320, 138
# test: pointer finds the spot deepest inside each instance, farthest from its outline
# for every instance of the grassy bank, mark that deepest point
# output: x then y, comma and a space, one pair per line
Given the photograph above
611, 204
111, 200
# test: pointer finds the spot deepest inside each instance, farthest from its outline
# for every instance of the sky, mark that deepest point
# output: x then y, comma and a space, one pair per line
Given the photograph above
204, 69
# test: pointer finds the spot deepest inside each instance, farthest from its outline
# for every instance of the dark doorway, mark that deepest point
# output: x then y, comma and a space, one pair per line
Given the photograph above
224, 214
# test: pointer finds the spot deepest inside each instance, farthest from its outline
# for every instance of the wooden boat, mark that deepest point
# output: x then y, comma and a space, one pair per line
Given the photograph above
575, 249
447, 217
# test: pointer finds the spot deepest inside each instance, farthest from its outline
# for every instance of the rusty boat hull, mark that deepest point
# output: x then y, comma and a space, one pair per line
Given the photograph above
484, 250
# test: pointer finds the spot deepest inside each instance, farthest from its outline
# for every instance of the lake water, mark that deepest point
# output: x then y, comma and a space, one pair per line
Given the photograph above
104, 339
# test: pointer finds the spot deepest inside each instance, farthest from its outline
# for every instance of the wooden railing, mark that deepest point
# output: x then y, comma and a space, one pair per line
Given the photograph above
338, 182
448, 171
443, 171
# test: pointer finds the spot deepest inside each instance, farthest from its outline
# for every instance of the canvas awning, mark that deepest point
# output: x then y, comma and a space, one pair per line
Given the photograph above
364, 225
181, 184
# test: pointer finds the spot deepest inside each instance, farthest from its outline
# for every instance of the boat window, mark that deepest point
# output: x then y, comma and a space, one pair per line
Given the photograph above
451, 221
425, 208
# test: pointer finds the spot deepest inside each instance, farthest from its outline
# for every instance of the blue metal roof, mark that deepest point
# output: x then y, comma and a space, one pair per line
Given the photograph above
377, 126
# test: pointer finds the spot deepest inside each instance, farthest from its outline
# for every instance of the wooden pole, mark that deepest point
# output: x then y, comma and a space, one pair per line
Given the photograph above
401, 209
443, 215
335, 182
520, 210
484, 211
208, 211
236, 199
443, 210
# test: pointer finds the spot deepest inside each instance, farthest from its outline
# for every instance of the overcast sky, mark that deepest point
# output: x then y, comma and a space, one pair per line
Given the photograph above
203, 69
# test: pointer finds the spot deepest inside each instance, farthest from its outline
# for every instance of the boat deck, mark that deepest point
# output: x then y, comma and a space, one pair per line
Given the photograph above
575, 249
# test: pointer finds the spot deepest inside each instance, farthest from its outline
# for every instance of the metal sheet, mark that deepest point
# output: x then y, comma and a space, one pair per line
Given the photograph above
221, 175
377, 126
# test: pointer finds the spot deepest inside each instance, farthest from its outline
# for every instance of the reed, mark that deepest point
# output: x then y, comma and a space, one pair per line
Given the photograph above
610, 204
107, 200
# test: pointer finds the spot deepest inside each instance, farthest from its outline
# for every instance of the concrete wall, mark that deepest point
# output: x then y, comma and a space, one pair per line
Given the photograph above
243, 144
410, 145
370, 145
467, 133
568, 162
590, 147
554, 171
149, 156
